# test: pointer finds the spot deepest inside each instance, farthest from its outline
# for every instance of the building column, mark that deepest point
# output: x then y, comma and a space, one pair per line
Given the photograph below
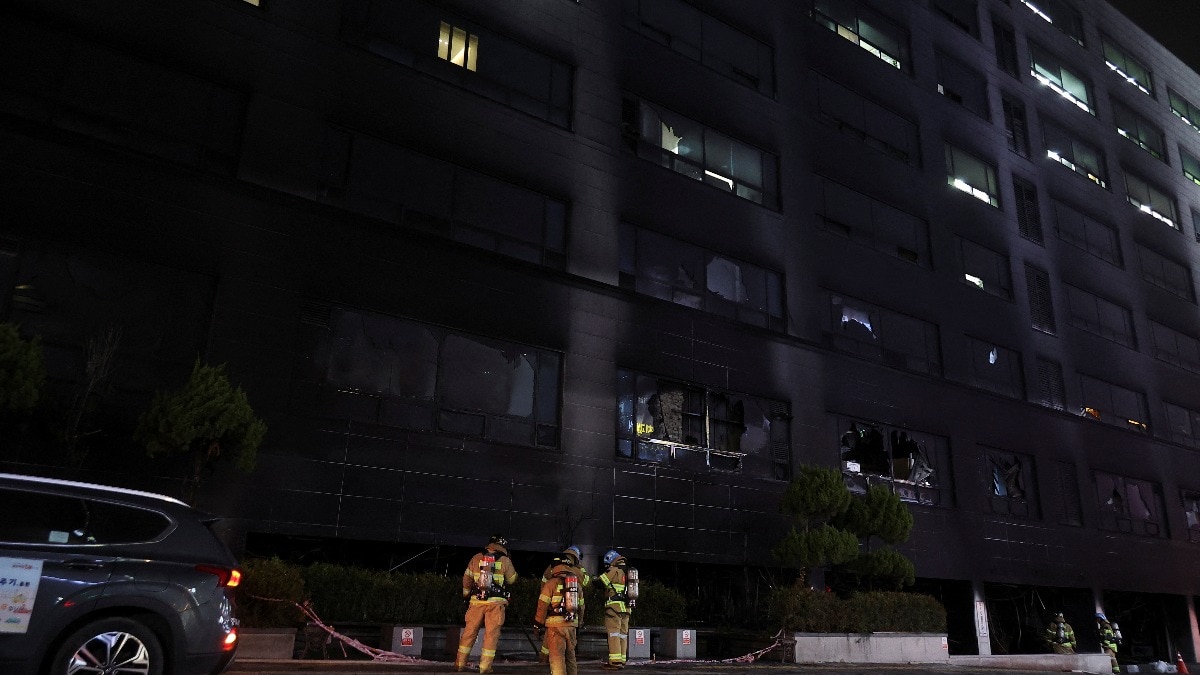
983, 639
1193, 628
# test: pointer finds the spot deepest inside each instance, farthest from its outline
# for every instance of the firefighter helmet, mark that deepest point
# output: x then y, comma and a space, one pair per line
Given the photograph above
499, 540
610, 557
573, 550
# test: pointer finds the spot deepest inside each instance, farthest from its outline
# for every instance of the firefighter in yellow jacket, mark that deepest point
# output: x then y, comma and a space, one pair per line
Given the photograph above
573, 558
558, 615
485, 588
620, 587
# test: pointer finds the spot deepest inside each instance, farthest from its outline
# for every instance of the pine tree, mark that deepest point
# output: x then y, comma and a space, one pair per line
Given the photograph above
814, 497
22, 371
207, 420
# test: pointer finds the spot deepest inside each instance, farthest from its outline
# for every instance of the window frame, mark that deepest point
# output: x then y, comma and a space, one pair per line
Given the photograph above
1049, 70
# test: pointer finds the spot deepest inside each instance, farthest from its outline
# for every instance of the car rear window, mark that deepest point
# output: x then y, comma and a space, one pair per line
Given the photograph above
65, 520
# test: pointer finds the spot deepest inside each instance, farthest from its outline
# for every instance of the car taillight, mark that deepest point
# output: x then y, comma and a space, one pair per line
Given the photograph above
226, 576
230, 640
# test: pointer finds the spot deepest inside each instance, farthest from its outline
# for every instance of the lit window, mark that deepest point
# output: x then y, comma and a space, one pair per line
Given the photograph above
1047, 70
1113, 404
1184, 109
1139, 130
1061, 15
1191, 165
1150, 200
985, 269
1129, 68
972, 175
458, 46
1083, 158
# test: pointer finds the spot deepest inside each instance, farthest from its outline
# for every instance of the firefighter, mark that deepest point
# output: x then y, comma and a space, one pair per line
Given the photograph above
1109, 639
559, 609
573, 558
485, 590
1060, 636
620, 586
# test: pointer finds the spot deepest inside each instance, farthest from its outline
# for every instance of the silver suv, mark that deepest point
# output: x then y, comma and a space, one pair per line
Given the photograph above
96, 579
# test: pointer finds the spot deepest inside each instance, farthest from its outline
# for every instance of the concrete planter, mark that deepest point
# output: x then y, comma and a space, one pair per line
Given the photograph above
266, 643
871, 648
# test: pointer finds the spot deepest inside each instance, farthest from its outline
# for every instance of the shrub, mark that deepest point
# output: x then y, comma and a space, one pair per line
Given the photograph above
340, 593
657, 605
270, 578
22, 371
805, 610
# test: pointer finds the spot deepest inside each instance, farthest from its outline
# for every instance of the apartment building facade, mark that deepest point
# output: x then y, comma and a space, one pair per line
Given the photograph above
610, 272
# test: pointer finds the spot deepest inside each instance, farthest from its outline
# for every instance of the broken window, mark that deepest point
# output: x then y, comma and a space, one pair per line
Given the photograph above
1113, 404
907, 462
1182, 425
865, 28
696, 428
1048, 70
1151, 200
470, 385
873, 223
861, 328
1012, 483
996, 368
1191, 513
1130, 505
703, 38
972, 175
694, 150
674, 270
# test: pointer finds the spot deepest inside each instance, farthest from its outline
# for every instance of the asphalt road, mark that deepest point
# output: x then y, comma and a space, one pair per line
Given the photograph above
593, 668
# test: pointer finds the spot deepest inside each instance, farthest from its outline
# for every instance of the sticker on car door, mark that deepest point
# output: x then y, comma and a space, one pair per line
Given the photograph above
18, 587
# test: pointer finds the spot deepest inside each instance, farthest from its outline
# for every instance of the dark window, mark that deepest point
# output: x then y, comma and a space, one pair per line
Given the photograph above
1013, 484
471, 56
699, 36
1184, 109
1016, 125
1140, 131
1130, 69
72, 521
868, 121
422, 377
962, 84
961, 13
1175, 347
1006, 47
1100, 317
866, 330
1191, 169
1089, 234
1114, 404
1041, 305
1183, 425
985, 269
914, 465
1165, 273
1130, 505
686, 274
1191, 513
1029, 217
1051, 391
698, 152
873, 223
865, 28
701, 429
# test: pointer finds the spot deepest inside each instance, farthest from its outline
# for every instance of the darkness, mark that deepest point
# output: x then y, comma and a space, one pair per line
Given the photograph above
1172, 22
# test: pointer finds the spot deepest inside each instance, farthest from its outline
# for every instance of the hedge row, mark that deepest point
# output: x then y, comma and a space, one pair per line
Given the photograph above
807, 611
339, 593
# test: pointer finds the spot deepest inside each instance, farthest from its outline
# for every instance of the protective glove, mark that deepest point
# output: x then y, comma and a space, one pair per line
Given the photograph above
538, 630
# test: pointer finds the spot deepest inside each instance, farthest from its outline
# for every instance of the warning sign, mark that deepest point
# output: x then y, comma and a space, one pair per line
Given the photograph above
406, 637
686, 637
639, 636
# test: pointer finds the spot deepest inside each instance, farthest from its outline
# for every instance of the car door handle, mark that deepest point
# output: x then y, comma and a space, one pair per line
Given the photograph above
84, 564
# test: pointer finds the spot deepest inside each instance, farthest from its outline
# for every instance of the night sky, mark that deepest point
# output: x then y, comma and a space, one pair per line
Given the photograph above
1174, 23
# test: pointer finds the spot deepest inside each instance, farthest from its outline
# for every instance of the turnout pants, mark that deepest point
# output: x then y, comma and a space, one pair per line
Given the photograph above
489, 616
560, 640
616, 624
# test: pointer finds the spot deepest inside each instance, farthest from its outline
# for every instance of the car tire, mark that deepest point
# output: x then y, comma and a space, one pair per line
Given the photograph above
124, 646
